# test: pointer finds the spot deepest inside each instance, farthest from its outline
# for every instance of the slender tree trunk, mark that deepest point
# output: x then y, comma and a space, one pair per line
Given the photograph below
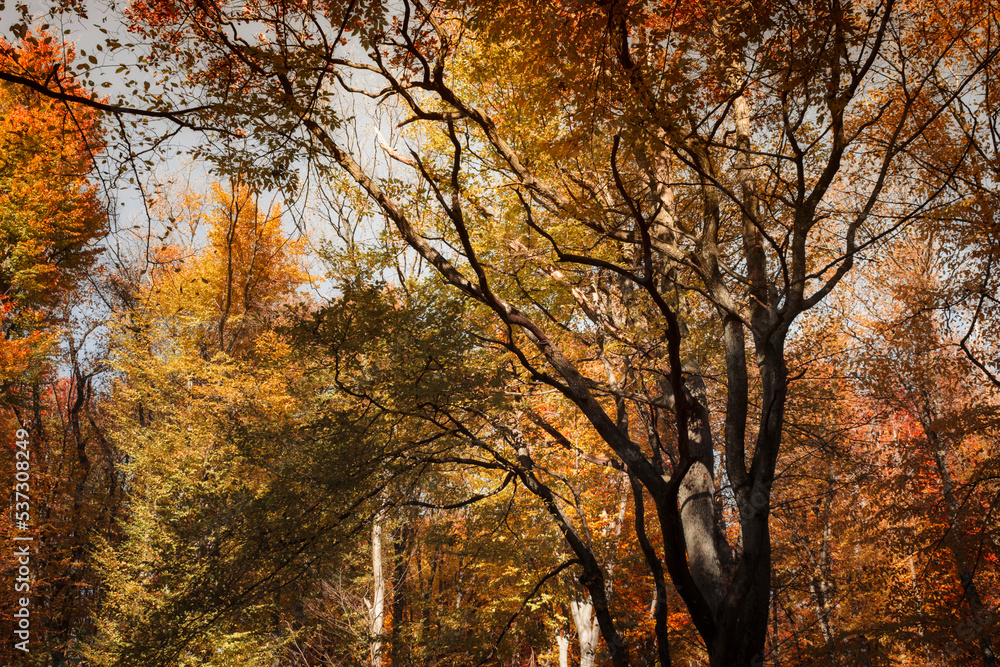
965, 573
819, 586
401, 540
587, 630
376, 609
562, 641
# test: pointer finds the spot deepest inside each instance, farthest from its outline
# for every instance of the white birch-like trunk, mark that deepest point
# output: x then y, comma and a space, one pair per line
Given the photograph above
562, 641
586, 629
376, 608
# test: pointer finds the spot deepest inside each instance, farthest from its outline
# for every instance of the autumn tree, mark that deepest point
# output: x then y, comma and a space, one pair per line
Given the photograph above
52, 219
942, 411
50, 212
254, 474
195, 403
641, 204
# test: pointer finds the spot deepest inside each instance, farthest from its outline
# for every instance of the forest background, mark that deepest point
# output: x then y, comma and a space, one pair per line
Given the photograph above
347, 332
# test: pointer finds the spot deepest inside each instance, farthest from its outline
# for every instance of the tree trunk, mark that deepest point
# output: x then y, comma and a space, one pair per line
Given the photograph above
401, 539
586, 629
819, 586
376, 609
562, 641
966, 574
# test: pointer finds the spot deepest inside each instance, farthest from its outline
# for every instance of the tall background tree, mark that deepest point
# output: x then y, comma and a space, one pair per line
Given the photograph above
52, 220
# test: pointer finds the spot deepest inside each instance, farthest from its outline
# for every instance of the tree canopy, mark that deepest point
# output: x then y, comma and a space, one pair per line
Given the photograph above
665, 327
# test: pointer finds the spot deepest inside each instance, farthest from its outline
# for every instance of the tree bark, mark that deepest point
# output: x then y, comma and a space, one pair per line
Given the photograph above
562, 641
376, 609
587, 630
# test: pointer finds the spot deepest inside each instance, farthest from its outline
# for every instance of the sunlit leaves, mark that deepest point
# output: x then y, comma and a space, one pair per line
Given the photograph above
50, 211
